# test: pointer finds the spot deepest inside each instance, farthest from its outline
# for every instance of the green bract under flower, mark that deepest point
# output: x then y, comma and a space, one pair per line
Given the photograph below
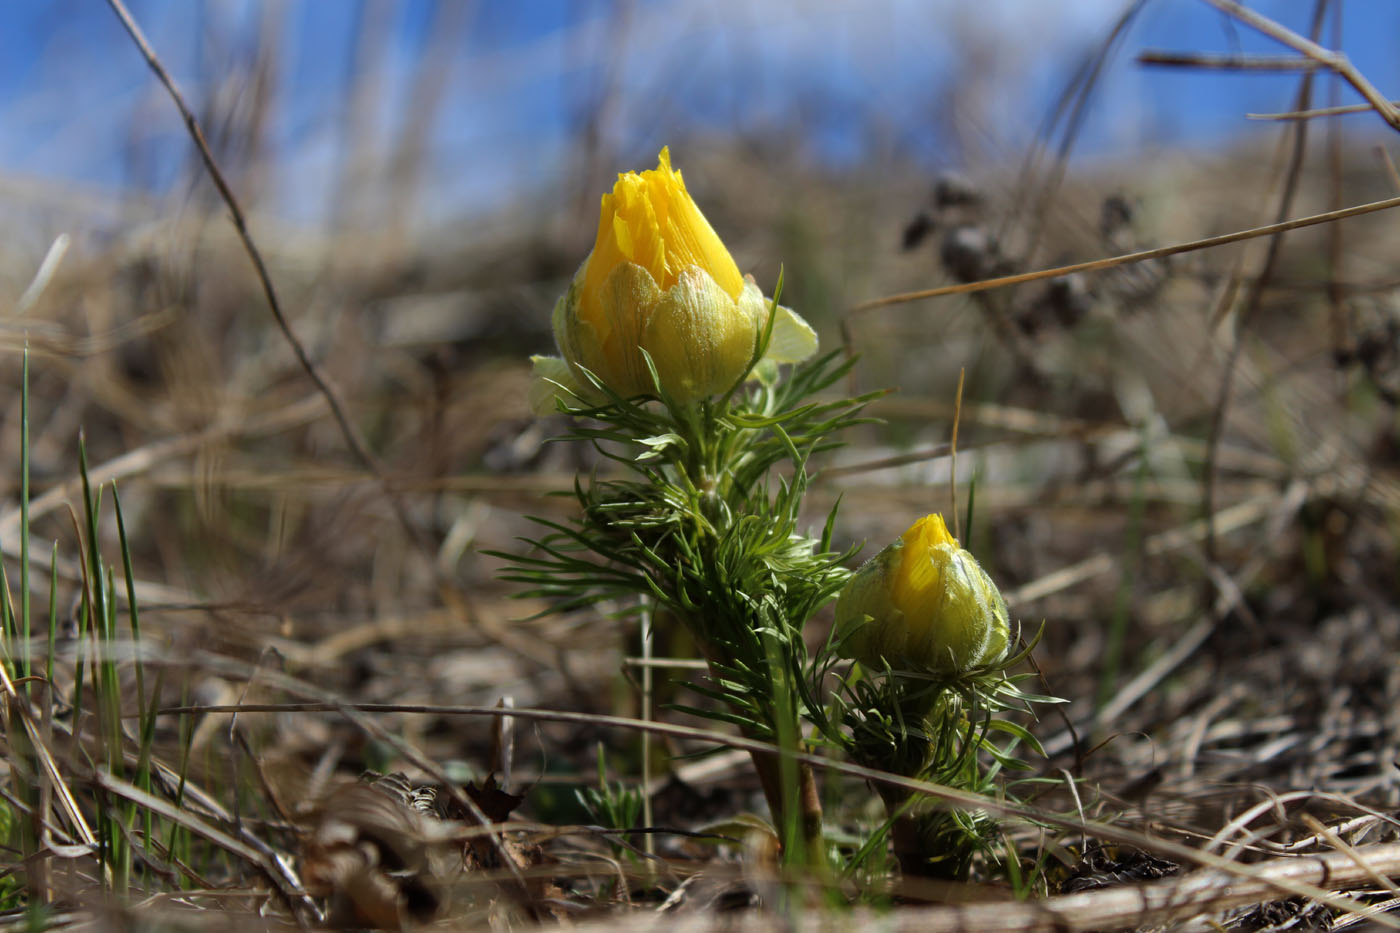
923, 604
659, 280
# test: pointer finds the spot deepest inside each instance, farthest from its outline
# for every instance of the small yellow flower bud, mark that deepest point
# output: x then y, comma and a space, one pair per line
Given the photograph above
659, 279
923, 604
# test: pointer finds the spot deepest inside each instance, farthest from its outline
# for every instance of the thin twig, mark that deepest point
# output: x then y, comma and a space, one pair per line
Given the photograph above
1228, 62
1337, 61
1253, 299
1121, 906
953, 454
287, 885
1388, 164
357, 444
1346, 848
1336, 300
1126, 258
1078, 91
1298, 876
1340, 111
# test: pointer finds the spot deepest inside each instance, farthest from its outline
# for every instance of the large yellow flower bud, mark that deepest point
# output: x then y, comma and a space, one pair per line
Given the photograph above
923, 604
659, 279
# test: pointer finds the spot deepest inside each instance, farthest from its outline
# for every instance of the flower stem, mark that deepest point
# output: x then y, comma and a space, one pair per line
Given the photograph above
797, 799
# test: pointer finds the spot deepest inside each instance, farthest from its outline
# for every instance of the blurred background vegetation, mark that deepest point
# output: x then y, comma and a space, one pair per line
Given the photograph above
423, 179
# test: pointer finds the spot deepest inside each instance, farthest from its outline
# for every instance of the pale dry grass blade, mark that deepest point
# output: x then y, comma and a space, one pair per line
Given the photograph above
1095, 265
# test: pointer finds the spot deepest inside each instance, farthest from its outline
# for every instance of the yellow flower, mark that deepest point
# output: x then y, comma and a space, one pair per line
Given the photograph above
923, 604
659, 279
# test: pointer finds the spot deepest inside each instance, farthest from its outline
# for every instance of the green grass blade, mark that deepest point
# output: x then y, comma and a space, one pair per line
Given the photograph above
25, 649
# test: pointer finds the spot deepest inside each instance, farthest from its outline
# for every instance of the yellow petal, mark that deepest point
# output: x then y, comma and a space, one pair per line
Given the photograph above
652, 241
697, 337
924, 603
929, 532
689, 239
608, 347
954, 620
917, 588
650, 219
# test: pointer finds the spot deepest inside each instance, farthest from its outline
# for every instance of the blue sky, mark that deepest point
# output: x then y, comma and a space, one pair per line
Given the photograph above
78, 106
